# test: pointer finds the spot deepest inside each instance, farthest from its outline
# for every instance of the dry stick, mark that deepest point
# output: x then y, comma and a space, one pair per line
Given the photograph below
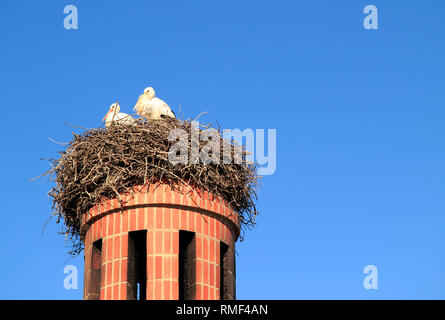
61, 143
77, 127
110, 161
204, 112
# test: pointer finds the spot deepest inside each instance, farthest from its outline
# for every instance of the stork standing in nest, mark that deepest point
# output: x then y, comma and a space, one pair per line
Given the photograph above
150, 107
114, 116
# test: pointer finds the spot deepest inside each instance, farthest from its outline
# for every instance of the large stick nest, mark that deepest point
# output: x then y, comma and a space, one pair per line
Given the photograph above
106, 162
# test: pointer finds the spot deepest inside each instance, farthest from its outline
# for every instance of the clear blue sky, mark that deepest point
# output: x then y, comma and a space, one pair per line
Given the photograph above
359, 114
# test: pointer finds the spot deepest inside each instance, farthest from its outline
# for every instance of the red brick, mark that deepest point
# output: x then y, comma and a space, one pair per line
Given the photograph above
150, 242
198, 241
109, 272
168, 195
177, 198
109, 255
217, 284
115, 203
205, 226
144, 189
212, 250
175, 218
175, 267
212, 227
194, 199
132, 226
205, 248
150, 291
175, 242
159, 194
104, 226
191, 225
124, 265
199, 222
117, 249
175, 290
124, 244
125, 221
158, 242
158, 267
223, 234
218, 229
150, 218
217, 206
92, 230
184, 218
99, 229
158, 289
116, 292
167, 261
159, 218
140, 218
110, 224
167, 288
88, 237
167, 218
107, 205
138, 197
205, 272
116, 272
149, 197
212, 274
205, 293
117, 222
130, 199
123, 291
167, 242
198, 292
162, 246
205, 199
187, 199
217, 253
150, 267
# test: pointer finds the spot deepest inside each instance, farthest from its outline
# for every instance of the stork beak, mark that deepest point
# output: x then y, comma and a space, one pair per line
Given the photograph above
106, 115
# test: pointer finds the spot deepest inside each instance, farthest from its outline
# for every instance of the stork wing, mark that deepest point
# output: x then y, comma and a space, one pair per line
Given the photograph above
165, 109
138, 105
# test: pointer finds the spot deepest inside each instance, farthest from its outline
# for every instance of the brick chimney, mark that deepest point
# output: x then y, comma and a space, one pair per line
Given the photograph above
163, 244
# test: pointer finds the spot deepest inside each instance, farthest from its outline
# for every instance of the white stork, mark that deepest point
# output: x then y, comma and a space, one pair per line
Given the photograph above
152, 108
114, 116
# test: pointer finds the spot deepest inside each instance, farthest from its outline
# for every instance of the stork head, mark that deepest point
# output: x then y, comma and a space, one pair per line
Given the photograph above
114, 109
150, 92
